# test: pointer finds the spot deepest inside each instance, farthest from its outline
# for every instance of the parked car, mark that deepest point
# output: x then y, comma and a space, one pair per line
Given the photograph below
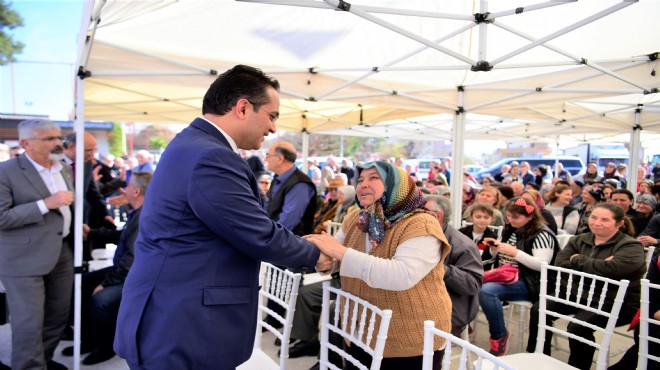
473, 169
421, 167
571, 164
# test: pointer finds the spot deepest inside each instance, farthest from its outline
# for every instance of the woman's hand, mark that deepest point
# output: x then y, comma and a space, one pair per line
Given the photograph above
492, 243
327, 244
507, 249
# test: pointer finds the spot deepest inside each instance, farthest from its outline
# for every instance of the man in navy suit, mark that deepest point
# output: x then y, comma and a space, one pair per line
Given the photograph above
190, 299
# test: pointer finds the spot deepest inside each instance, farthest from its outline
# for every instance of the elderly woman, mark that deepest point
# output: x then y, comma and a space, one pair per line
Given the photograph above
604, 251
345, 204
391, 254
527, 242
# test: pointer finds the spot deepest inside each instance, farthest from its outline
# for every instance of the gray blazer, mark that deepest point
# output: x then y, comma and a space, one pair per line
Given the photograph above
29, 241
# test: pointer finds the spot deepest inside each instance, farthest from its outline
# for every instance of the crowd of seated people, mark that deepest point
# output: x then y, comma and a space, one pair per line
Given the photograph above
532, 208
531, 222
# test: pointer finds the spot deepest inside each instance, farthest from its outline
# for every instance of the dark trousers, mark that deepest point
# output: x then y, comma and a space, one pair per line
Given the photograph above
391, 363
308, 310
582, 354
99, 311
90, 280
103, 309
629, 359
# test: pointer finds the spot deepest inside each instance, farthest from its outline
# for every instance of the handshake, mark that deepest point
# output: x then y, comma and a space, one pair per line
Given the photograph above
331, 250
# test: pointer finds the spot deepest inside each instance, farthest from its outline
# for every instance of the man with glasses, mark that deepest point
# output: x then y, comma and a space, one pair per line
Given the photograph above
292, 195
190, 298
36, 254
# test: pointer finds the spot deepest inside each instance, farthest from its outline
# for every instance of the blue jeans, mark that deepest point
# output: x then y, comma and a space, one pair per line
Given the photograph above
491, 297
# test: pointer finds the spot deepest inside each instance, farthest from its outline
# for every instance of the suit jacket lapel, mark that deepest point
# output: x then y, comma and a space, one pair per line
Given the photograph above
67, 173
33, 176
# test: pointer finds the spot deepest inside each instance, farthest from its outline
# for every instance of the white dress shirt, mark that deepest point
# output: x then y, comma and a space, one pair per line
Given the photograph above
54, 182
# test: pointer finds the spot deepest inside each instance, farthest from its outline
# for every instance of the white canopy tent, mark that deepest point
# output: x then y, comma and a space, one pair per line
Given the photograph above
507, 70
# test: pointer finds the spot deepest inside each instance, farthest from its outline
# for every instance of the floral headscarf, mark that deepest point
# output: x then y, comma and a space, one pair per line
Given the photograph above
401, 198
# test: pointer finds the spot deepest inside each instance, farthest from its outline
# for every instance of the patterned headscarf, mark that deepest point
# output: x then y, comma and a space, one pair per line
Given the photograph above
401, 198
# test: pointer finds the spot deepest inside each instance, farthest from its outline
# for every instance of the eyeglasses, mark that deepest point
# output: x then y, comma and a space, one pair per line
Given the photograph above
264, 182
271, 155
47, 138
273, 116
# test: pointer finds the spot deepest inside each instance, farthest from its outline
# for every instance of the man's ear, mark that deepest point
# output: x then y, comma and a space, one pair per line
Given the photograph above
441, 217
241, 108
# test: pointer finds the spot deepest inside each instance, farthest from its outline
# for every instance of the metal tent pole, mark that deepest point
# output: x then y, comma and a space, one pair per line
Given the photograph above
457, 154
635, 144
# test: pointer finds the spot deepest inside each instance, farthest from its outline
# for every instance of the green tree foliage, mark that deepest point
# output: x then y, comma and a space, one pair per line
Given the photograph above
9, 19
157, 143
115, 139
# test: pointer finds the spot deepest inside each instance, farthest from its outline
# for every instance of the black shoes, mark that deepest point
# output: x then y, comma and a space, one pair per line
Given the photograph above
68, 351
97, 356
52, 365
304, 348
4, 367
278, 341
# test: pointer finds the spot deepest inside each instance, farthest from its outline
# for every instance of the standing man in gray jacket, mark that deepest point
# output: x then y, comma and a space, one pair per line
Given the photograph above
464, 272
36, 256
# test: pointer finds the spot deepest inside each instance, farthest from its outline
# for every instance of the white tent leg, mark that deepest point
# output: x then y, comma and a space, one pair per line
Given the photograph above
457, 156
635, 144
79, 127
305, 150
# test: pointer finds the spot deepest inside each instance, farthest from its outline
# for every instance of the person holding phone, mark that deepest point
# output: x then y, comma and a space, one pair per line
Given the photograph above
527, 242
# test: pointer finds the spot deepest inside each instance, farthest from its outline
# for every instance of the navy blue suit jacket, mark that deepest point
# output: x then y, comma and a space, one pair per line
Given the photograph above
190, 298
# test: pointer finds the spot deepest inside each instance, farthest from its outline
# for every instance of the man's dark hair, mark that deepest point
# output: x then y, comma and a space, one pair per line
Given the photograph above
626, 192
655, 189
69, 139
240, 82
288, 155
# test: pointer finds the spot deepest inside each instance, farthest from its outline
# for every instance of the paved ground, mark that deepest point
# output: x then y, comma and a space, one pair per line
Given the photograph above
303, 363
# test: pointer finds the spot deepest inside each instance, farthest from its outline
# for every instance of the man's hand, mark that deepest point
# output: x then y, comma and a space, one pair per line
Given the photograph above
98, 289
118, 201
95, 173
60, 199
647, 240
327, 244
109, 219
85, 231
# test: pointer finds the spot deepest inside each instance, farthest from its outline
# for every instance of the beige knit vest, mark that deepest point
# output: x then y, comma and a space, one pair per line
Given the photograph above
427, 300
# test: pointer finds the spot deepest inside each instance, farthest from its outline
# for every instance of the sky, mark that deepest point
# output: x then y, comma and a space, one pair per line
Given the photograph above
42, 80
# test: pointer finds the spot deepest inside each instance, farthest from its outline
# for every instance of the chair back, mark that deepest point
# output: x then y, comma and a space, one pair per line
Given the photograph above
467, 350
649, 254
583, 291
355, 321
496, 229
563, 240
646, 318
279, 286
333, 227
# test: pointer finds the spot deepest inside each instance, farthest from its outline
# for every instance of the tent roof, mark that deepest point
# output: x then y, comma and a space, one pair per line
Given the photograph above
373, 73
